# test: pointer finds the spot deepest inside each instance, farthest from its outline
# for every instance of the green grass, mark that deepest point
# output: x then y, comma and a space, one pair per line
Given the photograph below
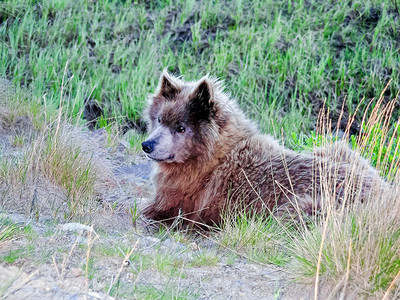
204, 258
371, 248
8, 231
274, 56
135, 141
23, 252
261, 239
91, 267
162, 261
168, 263
25, 237
105, 249
18, 141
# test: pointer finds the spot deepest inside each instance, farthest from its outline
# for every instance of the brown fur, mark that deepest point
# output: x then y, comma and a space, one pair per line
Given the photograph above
222, 159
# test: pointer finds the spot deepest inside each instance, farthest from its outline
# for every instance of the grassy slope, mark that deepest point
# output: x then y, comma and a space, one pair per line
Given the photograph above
273, 55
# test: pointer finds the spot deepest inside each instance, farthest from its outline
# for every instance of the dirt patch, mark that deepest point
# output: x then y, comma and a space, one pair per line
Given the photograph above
92, 112
339, 115
43, 284
184, 32
53, 265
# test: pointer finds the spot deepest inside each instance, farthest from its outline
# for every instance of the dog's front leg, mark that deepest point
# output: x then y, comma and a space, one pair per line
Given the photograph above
165, 207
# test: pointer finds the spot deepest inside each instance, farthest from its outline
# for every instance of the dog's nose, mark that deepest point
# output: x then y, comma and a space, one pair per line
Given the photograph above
148, 146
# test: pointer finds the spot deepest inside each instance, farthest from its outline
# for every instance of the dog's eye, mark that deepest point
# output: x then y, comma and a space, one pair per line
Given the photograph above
180, 129
159, 120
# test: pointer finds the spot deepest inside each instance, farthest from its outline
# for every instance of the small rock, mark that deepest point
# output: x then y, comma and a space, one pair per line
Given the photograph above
76, 272
98, 296
75, 227
153, 239
142, 171
168, 243
122, 146
98, 286
194, 247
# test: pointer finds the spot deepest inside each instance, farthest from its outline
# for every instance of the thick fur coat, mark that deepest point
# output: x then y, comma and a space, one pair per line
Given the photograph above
210, 157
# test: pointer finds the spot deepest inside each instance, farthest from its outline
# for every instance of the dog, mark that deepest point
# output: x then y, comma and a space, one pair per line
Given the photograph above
210, 157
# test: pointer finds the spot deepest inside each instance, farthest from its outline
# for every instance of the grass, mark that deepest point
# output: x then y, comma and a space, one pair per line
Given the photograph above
204, 258
135, 141
18, 241
359, 250
258, 237
168, 263
51, 150
13, 255
105, 249
18, 141
279, 58
90, 267
8, 232
62, 155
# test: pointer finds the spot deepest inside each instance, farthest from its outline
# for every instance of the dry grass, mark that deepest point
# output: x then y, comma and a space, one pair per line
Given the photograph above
355, 248
19, 112
7, 234
66, 165
58, 168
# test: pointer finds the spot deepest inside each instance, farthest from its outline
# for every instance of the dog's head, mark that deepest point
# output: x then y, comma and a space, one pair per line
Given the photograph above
183, 120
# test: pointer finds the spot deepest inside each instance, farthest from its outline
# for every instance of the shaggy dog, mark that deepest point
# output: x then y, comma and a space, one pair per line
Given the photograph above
210, 157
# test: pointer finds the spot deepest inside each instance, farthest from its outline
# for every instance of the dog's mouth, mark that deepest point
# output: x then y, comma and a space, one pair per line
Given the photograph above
163, 159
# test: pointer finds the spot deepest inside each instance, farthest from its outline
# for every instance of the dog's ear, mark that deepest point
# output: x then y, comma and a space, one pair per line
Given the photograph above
201, 104
167, 88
